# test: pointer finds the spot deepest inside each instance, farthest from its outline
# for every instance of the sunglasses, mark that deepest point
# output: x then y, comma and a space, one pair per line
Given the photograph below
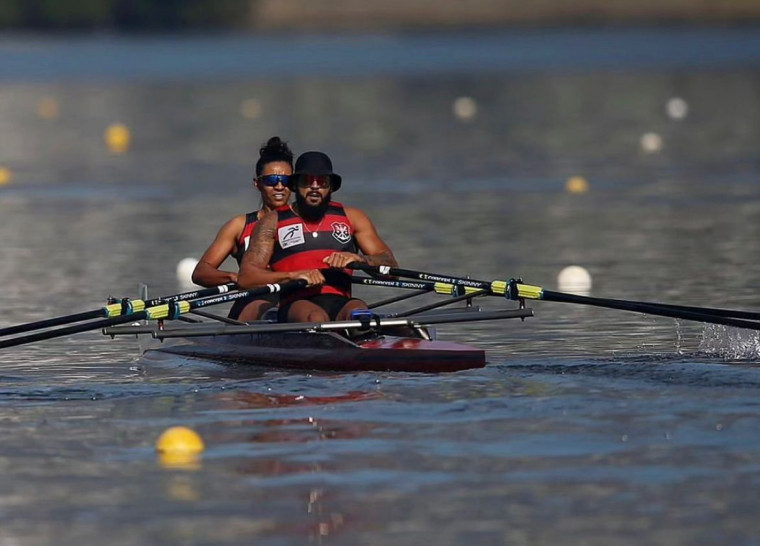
273, 179
309, 180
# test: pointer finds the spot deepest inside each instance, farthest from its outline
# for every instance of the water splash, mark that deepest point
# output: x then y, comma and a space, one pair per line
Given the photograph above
730, 343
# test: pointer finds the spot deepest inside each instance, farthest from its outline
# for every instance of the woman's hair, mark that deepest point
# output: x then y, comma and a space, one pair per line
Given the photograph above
274, 150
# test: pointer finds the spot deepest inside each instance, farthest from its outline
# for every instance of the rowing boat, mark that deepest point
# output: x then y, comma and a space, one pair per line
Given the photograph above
397, 342
330, 351
377, 344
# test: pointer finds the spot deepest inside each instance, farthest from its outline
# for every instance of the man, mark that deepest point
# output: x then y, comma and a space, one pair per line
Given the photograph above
313, 239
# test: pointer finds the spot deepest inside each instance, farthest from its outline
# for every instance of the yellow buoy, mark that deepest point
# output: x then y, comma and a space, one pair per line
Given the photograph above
179, 440
5, 176
117, 138
576, 184
47, 108
251, 108
180, 448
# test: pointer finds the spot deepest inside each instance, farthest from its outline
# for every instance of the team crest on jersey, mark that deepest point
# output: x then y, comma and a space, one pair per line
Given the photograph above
290, 235
341, 232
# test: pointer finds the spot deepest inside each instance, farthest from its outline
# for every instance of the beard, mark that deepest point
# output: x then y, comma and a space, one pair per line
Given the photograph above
312, 213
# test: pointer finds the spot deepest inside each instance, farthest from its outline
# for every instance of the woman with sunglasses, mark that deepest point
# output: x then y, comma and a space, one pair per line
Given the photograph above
273, 169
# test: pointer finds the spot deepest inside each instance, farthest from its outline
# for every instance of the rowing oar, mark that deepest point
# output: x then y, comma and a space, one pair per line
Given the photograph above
122, 307
419, 287
516, 290
167, 310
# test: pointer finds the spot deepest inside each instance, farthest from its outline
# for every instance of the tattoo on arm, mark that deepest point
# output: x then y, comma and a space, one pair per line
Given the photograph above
262, 242
383, 258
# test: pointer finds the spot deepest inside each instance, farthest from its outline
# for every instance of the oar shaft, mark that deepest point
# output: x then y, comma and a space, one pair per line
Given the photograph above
396, 299
517, 290
419, 287
49, 323
70, 330
422, 287
663, 310
438, 304
164, 310
497, 287
113, 310
202, 293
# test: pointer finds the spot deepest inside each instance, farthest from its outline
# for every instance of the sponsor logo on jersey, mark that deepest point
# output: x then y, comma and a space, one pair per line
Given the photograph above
290, 235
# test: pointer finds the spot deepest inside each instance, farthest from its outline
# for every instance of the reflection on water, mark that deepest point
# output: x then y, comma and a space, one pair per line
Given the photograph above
616, 428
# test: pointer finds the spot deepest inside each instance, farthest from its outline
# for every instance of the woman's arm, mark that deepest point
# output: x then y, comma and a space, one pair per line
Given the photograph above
207, 272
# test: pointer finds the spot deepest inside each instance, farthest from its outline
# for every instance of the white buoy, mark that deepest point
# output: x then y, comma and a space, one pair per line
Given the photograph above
574, 279
651, 143
677, 108
464, 108
185, 269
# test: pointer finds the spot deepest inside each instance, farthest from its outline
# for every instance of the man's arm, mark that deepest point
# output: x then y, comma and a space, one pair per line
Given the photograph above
207, 272
254, 270
375, 250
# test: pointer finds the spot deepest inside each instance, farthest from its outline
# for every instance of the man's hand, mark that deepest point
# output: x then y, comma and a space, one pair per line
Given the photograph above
313, 277
342, 259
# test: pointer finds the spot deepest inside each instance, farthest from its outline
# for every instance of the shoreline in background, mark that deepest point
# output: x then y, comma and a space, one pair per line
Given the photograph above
362, 16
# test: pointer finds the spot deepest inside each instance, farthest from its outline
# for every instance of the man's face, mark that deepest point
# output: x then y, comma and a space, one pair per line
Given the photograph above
313, 191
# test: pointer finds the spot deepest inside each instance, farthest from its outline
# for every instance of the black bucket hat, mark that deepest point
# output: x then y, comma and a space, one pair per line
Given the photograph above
314, 164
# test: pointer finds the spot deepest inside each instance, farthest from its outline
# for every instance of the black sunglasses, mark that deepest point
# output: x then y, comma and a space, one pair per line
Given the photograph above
274, 179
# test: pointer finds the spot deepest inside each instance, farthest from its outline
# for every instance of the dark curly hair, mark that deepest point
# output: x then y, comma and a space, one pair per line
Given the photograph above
274, 150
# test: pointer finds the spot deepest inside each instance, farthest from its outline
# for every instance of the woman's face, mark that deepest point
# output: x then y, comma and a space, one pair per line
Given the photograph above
278, 195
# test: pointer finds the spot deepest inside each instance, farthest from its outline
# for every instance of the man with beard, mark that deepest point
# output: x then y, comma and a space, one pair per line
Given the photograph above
313, 239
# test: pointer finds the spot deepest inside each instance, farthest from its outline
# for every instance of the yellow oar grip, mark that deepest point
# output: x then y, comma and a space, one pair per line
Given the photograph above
443, 288
529, 292
499, 287
157, 312
114, 310
450, 289
162, 311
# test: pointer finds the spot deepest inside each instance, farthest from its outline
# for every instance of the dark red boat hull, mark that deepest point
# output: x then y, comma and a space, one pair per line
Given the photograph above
331, 352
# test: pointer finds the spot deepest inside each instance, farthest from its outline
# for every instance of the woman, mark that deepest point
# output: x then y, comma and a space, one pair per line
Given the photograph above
274, 167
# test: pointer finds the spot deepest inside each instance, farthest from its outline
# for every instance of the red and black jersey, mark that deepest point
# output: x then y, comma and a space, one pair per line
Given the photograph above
245, 236
301, 245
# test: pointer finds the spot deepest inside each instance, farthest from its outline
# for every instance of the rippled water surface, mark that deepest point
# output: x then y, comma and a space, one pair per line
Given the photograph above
587, 427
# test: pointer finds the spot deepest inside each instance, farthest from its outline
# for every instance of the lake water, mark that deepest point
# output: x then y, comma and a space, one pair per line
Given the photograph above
587, 427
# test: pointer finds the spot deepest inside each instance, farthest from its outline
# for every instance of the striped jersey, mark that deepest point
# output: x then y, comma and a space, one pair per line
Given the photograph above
300, 245
245, 236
